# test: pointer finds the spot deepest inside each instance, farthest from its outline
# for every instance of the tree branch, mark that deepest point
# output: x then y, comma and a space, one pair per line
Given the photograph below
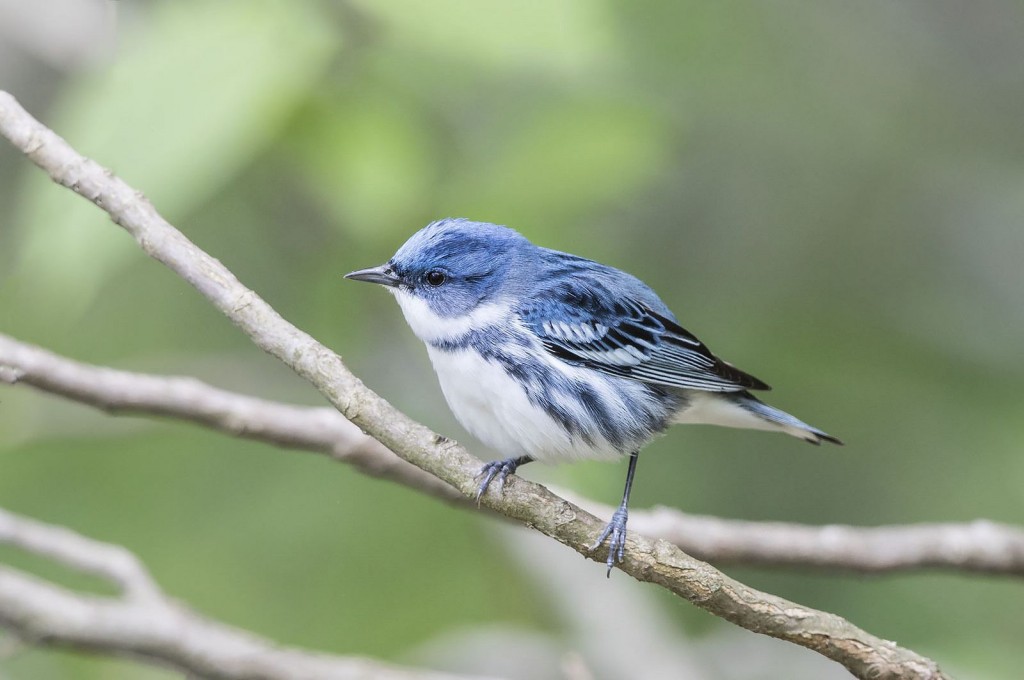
980, 546
144, 623
322, 430
865, 655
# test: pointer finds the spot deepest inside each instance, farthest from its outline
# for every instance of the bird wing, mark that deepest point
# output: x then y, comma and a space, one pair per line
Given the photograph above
623, 336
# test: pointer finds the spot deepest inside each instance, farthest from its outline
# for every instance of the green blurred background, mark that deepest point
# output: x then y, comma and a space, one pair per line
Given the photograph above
830, 194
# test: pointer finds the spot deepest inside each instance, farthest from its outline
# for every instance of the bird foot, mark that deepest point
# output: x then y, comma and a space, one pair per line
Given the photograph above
615, 532
498, 469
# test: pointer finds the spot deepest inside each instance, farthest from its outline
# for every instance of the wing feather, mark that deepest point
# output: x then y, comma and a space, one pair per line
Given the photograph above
630, 339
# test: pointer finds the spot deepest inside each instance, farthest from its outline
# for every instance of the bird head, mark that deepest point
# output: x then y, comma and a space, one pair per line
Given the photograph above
450, 270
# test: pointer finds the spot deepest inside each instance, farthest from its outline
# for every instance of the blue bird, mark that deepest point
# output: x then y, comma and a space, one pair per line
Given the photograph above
543, 355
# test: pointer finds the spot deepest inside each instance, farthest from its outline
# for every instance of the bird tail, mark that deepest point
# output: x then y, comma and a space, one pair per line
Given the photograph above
789, 424
742, 409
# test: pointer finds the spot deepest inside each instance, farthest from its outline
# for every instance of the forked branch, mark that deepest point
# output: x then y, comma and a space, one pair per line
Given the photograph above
142, 622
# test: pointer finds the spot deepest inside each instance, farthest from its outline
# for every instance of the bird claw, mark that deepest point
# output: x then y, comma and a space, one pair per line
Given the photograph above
499, 469
615, 532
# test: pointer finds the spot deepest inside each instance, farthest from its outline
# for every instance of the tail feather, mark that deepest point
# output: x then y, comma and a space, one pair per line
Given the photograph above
742, 409
789, 424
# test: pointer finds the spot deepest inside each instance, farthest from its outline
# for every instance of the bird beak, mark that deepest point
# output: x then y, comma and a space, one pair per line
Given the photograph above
382, 275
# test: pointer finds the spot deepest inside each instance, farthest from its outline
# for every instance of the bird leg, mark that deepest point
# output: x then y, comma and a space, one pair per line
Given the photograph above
500, 469
615, 531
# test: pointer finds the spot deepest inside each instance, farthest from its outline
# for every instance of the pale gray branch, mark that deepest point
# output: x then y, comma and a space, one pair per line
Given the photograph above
110, 562
979, 546
322, 429
660, 562
144, 623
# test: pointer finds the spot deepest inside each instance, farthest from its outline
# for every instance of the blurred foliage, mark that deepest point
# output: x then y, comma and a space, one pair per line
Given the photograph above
830, 194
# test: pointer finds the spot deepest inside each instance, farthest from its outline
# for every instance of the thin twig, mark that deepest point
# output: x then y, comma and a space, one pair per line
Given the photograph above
980, 546
865, 655
144, 623
110, 562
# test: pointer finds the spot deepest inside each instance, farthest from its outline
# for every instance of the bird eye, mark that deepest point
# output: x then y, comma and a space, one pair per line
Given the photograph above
436, 277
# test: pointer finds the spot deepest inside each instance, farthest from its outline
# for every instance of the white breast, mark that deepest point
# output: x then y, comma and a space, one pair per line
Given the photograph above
491, 405
495, 409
